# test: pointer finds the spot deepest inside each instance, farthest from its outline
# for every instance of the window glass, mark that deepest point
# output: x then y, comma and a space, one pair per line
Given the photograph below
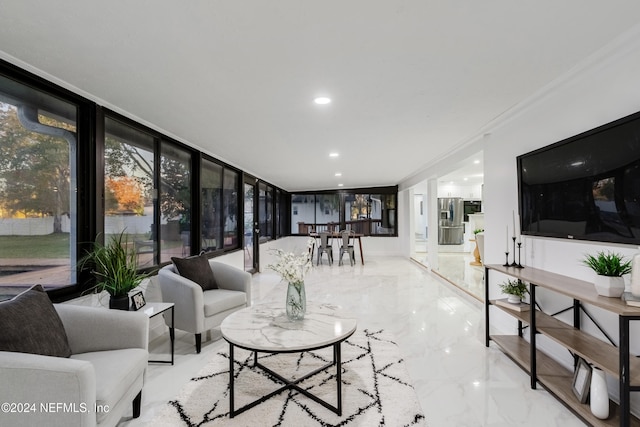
328, 212
281, 217
175, 202
302, 213
211, 199
230, 187
383, 208
265, 209
38, 142
128, 192
371, 214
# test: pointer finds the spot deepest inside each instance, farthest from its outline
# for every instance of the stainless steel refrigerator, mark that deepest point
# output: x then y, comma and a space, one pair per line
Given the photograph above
450, 229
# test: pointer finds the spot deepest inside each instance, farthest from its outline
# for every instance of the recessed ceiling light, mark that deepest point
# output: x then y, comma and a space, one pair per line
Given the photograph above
322, 100
334, 154
340, 185
476, 162
338, 174
466, 179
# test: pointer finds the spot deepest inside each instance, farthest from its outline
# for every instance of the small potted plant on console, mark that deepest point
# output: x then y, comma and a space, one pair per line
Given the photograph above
515, 290
610, 268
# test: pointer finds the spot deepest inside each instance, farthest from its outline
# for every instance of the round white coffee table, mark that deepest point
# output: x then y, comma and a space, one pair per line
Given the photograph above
266, 329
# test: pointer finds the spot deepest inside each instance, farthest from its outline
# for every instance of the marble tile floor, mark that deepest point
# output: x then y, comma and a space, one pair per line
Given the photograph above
438, 327
455, 268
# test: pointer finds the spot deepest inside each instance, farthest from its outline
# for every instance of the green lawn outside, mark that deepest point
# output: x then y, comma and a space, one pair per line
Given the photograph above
47, 246
52, 245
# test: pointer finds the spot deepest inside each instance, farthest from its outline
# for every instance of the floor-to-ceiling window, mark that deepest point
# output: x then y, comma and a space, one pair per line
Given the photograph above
38, 189
129, 205
265, 211
211, 204
230, 195
175, 201
282, 223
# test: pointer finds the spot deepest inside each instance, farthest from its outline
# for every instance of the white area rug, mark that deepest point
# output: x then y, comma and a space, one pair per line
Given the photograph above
376, 389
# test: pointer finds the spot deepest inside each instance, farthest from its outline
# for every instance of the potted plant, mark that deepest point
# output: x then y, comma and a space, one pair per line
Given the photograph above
515, 290
115, 268
610, 268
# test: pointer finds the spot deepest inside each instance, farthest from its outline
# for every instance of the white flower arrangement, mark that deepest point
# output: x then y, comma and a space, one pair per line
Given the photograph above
293, 267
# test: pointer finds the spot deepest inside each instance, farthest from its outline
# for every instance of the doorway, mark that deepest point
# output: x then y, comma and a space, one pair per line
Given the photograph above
251, 227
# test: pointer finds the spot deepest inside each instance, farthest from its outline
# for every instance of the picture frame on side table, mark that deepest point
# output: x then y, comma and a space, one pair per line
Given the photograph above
581, 380
137, 301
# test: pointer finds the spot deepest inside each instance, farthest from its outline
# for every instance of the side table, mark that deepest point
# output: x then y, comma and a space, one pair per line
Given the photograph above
152, 309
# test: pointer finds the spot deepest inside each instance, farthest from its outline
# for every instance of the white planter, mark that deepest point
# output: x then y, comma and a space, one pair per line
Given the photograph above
513, 299
609, 286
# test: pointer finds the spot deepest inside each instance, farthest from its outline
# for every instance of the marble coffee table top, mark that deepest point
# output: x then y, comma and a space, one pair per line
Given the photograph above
265, 327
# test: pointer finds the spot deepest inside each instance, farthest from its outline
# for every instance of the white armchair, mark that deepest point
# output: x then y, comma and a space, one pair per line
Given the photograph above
197, 311
93, 387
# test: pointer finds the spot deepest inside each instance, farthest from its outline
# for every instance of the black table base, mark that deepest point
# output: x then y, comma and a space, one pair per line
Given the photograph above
288, 384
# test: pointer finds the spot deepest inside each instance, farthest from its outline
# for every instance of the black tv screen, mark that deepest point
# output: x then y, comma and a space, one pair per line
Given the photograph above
586, 187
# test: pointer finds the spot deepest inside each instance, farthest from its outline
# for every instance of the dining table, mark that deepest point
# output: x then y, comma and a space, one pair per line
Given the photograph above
337, 235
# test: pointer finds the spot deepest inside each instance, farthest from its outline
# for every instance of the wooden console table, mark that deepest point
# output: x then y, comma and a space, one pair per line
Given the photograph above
549, 373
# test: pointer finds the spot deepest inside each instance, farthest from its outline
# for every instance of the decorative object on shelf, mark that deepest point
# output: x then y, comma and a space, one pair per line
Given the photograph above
581, 380
506, 251
516, 236
610, 268
514, 263
293, 267
115, 269
517, 240
630, 299
519, 265
635, 275
515, 290
599, 394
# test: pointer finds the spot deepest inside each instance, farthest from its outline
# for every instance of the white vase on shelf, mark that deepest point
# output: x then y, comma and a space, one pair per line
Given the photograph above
514, 299
599, 394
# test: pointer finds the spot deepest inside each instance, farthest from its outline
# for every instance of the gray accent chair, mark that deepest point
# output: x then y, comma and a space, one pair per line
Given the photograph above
198, 311
105, 372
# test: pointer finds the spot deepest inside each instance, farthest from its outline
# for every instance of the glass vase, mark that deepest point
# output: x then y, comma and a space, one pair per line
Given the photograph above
296, 301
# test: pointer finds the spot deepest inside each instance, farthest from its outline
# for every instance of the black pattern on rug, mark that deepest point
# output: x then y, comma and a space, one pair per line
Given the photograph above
376, 389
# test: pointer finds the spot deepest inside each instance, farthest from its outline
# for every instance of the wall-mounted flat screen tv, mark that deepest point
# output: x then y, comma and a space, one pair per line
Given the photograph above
586, 187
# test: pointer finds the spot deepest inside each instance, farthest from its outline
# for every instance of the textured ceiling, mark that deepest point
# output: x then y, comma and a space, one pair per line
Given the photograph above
410, 80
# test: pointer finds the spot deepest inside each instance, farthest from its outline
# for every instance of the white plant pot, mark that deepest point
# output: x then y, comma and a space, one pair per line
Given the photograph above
609, 286
513, 299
